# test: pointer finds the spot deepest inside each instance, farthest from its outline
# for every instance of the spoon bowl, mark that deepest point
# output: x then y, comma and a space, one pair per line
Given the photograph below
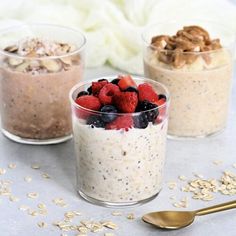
170, 219
180, 219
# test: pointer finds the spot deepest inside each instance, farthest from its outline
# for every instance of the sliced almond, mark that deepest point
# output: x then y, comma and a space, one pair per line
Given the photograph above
66, 60
22, 67
11, 49
51, 65
14, 61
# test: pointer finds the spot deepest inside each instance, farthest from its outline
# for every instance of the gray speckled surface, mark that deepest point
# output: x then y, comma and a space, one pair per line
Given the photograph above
183, 157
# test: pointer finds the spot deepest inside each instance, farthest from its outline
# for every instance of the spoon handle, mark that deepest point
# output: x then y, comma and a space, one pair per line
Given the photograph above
216, 208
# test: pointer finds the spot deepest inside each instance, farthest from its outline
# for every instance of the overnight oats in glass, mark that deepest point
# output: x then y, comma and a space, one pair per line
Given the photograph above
196, 67
120, 126
39, 64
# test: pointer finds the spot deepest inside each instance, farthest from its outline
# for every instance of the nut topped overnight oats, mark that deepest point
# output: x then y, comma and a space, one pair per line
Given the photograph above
120, 126
37, 71
197, 69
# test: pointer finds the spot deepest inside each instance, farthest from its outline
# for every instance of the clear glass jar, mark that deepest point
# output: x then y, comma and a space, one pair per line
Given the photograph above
119, 167
199, 82
34, 90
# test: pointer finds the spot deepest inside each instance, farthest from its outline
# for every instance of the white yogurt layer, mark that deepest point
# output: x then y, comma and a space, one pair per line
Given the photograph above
117, 166
199, 93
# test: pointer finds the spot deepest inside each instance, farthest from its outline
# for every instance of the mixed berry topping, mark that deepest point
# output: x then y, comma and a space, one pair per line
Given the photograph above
121, 95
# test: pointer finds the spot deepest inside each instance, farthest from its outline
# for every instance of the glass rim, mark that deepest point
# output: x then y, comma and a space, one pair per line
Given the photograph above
11, 29
140, 78
223, 26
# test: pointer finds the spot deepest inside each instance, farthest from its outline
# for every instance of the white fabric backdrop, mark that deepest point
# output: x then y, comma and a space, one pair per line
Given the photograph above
113, 27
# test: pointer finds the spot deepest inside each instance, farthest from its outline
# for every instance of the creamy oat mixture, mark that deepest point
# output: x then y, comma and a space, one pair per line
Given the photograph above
199, 84
34, 89
117, 166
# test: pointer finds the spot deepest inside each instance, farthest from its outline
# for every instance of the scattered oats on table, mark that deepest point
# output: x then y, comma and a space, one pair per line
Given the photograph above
46, 176
28, 179
172, 185
32, 195
42, 224
116, 213
13, 198
130, 216
182, 177
217, 162
59, 202
2, 171
23, 208
35, 166
109, 234
12, 166
109, 224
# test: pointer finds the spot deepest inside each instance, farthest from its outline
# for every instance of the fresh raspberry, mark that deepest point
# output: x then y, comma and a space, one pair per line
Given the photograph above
122, 122
126, 81
126, 101
97, 86
107, 92
146, 92
87, 101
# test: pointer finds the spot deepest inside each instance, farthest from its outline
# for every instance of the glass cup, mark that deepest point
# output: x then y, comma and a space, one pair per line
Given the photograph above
34, 90
119, 167
199, 82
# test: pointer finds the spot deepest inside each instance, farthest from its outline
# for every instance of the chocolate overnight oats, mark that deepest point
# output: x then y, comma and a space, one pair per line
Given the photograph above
197, 71
120, 127
36, 74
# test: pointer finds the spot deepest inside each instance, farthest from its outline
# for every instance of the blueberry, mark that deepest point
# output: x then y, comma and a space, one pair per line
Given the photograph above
82, 93
160, 96
100, 80
131, 89
115, 81
145, 106
111, 113
89, 89
140, 121
95, 121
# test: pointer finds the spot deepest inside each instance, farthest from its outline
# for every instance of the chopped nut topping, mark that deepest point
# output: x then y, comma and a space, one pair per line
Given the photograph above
189, 39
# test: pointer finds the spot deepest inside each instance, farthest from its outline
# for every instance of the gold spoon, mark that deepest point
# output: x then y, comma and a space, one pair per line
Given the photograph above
180, 219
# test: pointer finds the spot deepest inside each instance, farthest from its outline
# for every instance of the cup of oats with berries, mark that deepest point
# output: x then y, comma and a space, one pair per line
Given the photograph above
120, 125
195, 63
39, 64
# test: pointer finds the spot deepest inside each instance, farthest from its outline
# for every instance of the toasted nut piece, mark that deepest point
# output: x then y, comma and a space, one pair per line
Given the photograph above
160, 42
51, 65
11, 49
165, 57
197, 31
179, 60
14, 61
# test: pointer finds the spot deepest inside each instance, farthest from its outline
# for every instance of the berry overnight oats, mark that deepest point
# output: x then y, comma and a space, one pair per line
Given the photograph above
197, 70
36, 75
120, 136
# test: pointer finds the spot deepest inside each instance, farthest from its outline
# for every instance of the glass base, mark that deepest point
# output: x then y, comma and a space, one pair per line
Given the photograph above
176, 137
114, 204
35, 141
